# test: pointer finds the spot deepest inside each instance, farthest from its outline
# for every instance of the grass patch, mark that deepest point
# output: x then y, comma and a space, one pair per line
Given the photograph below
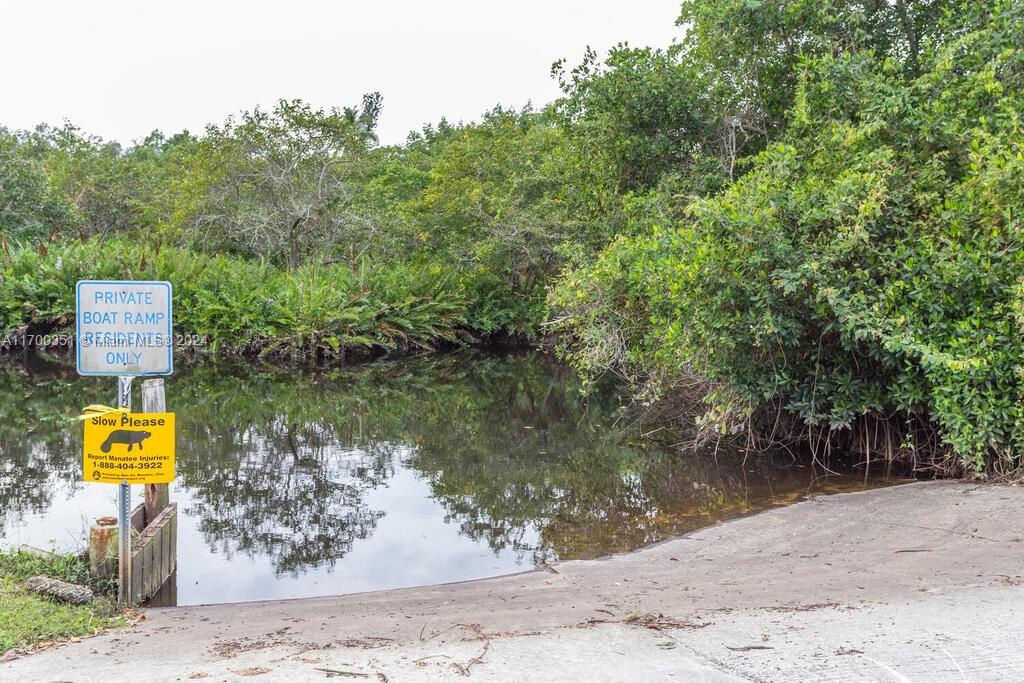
27, 619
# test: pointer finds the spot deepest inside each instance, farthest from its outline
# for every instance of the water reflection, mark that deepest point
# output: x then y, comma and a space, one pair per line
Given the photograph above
36, 445
393, 474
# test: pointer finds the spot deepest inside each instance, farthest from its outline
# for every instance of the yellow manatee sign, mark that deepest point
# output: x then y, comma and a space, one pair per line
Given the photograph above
133, 447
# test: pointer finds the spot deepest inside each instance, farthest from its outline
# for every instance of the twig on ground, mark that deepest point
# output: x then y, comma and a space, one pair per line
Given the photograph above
338, 672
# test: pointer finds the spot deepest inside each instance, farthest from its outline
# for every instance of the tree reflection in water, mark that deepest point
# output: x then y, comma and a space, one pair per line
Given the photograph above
280, 463
39, 452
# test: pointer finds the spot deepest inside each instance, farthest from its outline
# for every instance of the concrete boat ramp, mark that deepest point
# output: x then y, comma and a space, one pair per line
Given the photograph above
921, 582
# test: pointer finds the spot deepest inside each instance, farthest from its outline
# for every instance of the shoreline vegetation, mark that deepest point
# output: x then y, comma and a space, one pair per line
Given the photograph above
29, 621
798, 225
250, 308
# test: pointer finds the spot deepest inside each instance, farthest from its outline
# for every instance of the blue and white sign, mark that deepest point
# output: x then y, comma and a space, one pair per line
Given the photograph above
124, 328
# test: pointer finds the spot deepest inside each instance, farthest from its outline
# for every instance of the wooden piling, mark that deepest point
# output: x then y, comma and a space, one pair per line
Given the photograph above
103, 548
153, 401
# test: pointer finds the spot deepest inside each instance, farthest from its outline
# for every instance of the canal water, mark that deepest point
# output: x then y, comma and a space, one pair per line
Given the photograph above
393, 474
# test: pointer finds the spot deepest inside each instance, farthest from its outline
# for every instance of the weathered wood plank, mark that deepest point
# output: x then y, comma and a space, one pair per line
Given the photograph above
174, 539
149, 576
138, 519
136, 584
165, 550
154, 558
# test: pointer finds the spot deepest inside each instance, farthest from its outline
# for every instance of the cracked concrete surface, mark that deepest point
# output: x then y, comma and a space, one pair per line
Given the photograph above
921, 582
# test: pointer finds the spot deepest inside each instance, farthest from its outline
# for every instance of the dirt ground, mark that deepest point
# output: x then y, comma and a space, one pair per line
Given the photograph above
921, 582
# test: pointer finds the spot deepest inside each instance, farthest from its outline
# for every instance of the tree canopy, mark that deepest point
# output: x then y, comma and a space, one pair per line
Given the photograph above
801, 221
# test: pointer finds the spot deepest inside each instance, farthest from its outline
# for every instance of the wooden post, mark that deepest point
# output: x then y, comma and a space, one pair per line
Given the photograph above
153, 401
103, 548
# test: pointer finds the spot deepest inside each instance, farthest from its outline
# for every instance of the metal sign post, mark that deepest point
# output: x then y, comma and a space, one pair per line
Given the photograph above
124, 510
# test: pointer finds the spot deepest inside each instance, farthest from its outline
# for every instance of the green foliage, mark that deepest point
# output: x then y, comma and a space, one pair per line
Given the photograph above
868, 264
601, 310
26, 618
489, 190
751, 52
29, 206
245, 306
633, 117
108, 188
811, 206
484, 195
276, 182
21, 565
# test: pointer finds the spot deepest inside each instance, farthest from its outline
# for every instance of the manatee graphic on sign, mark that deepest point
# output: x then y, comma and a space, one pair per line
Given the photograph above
125, 436
133, 447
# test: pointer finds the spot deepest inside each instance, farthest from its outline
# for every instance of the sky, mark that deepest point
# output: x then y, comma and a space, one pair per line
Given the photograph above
121, 68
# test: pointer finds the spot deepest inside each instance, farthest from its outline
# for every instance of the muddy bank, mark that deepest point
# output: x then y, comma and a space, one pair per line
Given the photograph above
835, 584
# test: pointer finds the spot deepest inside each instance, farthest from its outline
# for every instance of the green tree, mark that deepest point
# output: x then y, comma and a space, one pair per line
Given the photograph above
750, 52
279, 181
862, 278
633, 117
29, 207
93, 176
487, 199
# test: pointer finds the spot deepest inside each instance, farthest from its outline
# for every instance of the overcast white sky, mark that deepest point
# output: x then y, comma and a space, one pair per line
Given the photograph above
120, 68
